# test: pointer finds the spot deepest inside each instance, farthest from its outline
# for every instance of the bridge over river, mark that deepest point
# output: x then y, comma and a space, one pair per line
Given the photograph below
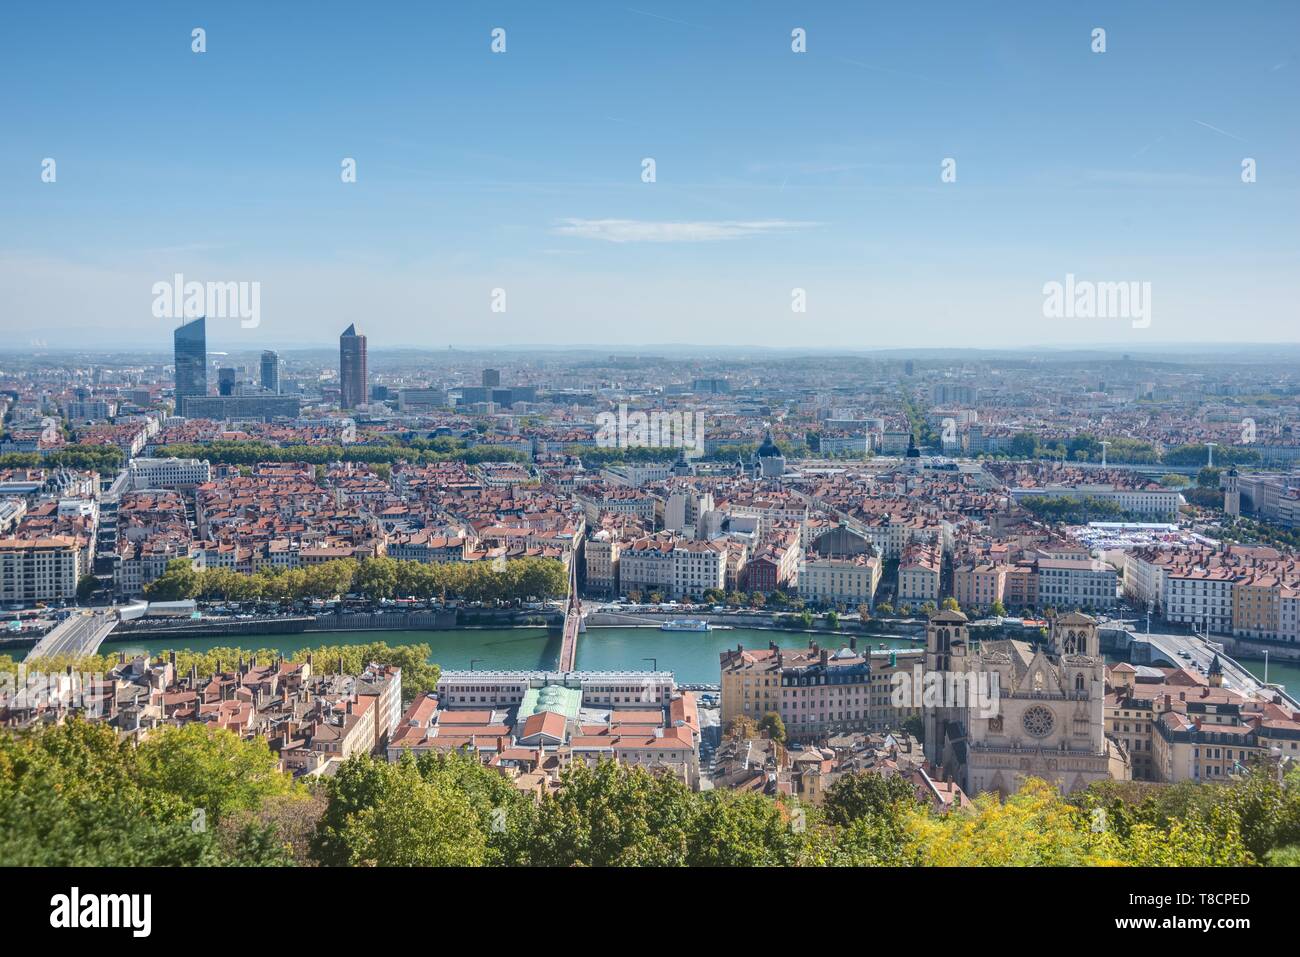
78, 635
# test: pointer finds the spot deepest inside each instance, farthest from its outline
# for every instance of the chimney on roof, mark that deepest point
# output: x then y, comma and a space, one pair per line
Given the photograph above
825, 657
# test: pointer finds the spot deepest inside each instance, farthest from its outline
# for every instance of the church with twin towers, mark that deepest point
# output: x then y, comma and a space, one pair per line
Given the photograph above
1047, 716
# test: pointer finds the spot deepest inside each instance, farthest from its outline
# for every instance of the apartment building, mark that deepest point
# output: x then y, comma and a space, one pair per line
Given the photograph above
1159, 504
815, 691
39, 570
979, 584
647, 565
840, 581
698, 567
918, 573
602, 553
774, 566
147, 473
1178, 725
1077, 583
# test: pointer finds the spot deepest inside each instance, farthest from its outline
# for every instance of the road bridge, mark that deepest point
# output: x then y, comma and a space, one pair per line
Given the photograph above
78, 635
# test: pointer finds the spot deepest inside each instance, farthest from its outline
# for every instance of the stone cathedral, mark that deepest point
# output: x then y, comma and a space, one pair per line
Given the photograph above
1048, 720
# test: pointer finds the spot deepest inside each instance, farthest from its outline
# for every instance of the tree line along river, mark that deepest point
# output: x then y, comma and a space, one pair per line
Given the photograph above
691, 656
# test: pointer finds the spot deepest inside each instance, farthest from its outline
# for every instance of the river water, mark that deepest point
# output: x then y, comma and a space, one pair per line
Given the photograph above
691, 656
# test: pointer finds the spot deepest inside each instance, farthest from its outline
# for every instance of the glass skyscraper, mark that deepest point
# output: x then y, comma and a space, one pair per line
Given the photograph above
352, 369
191, 344
271, 371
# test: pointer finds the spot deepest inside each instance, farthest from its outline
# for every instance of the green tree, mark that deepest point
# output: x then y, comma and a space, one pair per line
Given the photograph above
177, 583
376, 578
773, 726
86, 587
614, 815
412, 822
210, 768
865, 793
741, 830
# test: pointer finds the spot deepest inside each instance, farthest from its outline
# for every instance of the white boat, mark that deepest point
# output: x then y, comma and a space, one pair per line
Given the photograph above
685, 624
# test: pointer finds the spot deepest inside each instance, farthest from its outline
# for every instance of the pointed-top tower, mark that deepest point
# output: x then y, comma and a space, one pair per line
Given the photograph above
1216, 673
352, 368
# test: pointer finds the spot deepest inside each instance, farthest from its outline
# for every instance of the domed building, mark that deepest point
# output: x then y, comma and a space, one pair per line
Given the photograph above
913, 455
769, 462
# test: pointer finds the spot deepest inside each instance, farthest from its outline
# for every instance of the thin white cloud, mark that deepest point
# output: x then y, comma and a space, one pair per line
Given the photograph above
1217, 130
645, 231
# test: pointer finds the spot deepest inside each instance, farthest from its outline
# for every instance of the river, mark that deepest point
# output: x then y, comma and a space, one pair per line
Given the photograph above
691, 656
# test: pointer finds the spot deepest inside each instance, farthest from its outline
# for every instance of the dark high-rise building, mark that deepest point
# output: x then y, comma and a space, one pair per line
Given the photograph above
491, 378
191, 346
225, 381
271, 371
352, 368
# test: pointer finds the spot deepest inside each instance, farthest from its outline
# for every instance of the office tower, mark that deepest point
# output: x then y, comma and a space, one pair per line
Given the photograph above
491, 378
352, 368
225, 381
191, 346
271, 372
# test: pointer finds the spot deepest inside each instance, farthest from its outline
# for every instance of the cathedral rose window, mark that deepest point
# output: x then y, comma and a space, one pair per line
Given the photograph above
1038, 721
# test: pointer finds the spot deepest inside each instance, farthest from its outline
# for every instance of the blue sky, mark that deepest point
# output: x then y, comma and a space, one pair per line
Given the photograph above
775, 170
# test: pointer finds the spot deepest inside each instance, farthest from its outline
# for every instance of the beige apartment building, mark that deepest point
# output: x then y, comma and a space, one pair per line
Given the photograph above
844, 581
39, 569
816, 692
979, 584
918, 574
1179, 726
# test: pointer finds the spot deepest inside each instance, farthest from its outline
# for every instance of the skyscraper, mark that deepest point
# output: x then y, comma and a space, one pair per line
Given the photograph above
352, 368
225, 381
491, 378
271, 371
191, 347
